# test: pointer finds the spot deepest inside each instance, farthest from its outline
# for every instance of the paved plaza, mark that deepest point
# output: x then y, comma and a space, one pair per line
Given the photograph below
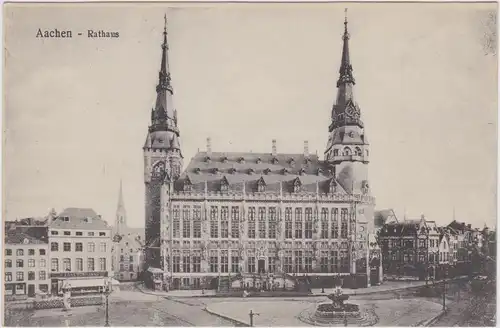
399, 312
133, 307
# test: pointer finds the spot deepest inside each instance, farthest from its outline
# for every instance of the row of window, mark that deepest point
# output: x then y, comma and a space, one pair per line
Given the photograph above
54, 247
42, 275
409, 258
20, 263
21, 289
293, 262
130, 258
124, 267
264, 227
409, 243
66, 264
20, 252
79, 233
347, 151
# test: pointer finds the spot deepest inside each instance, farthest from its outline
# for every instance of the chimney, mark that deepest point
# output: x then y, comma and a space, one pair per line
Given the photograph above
469, 226
306, 148
274, 148
209, 146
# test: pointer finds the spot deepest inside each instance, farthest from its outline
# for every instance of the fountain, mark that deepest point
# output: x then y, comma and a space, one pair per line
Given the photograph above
337, 312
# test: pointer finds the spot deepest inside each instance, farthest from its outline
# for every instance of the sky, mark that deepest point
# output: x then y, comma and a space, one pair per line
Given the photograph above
77, 110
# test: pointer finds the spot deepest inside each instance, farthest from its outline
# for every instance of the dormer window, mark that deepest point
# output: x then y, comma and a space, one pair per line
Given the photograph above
232, 170
224, 185
208, 159
261, 185
215, 170
302, 171
320, 171
197, 170
251, 171
259, 160
307, 160
284, 171
291, 162
333, 186
267, 171
187, 184
241, 160
224, 159
275, 161
297, 185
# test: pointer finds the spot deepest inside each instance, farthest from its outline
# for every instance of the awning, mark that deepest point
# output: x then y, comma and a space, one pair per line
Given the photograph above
80, 283
155, 270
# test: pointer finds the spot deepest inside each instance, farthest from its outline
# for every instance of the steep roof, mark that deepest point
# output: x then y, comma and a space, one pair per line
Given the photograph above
382, 216
79, 218
244, 170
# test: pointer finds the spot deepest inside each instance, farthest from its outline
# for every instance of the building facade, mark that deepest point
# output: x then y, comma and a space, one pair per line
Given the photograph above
410, 248
79, 250
128, 258
127, 249
258, 213
26, 255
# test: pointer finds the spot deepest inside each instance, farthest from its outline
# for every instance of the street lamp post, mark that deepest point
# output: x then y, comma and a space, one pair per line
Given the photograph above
252, 314
107, 291
444, 292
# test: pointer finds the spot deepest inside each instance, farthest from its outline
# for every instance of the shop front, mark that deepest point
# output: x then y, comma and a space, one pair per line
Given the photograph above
80, 282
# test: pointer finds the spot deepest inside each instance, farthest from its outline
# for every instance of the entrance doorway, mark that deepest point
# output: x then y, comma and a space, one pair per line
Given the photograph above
54, 287
31, 290
261, 266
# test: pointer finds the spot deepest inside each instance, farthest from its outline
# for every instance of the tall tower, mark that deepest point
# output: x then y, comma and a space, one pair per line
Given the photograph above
347, 149
121, 214
162, 162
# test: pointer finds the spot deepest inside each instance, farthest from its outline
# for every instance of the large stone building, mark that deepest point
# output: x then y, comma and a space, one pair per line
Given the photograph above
248, 213
26, 255
80, 250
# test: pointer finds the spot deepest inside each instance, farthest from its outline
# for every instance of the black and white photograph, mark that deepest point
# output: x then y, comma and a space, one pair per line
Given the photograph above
250, 164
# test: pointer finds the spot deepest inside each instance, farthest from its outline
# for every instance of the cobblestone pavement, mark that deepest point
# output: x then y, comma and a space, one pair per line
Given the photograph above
154, 311
469, 310
396, 312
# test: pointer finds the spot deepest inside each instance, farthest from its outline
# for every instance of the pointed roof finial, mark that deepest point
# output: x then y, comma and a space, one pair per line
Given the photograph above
120, 195
165, 26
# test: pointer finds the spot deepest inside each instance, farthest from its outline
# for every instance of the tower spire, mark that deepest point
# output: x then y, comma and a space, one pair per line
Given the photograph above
345, 111
163, 116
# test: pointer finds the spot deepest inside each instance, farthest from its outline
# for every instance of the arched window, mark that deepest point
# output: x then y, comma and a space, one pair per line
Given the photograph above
347, 151
358, 151
335, 152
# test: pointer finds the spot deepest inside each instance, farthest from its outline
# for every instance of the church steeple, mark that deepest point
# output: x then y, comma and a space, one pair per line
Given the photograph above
345, 111
121, 214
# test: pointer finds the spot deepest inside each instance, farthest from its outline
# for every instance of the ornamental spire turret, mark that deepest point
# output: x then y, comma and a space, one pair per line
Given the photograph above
345, 111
